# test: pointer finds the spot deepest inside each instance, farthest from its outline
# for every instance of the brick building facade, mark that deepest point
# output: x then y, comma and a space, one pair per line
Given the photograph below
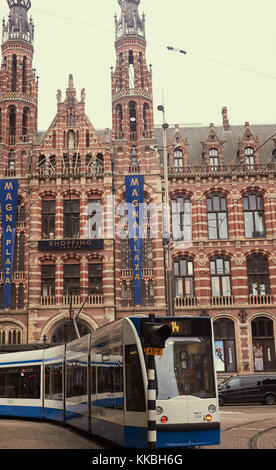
72, 258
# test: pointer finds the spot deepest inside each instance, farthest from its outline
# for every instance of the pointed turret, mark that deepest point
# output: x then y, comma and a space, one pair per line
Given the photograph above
18, 80
132, 100
130, 22
18, 25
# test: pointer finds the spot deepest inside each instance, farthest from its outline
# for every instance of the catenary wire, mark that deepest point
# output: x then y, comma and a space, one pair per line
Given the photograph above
182, 51
170, 48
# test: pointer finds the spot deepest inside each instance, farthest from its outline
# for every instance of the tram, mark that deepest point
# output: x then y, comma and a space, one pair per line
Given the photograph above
98, 384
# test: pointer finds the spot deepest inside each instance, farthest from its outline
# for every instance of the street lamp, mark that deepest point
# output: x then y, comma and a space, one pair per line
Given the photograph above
166, 227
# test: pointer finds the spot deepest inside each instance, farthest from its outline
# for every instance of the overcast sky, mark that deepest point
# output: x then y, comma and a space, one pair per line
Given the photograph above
230, 58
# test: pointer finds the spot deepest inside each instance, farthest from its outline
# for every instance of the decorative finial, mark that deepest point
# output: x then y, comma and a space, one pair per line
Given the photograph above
70, 82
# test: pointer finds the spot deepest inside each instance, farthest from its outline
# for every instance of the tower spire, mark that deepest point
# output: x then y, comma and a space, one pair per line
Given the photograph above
130, 22
18, 25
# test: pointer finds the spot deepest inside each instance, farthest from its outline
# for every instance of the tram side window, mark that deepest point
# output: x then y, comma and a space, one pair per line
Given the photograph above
106, 379
135, 393
20, 382
53, 382
118, 371
76, 378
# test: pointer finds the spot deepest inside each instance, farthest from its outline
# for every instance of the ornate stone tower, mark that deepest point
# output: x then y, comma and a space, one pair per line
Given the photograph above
18, 87
132, 103
134, 153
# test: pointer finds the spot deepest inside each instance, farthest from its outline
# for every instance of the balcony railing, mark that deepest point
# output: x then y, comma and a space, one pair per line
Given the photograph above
266, 299
185, 302
128, 273
89, 171
134, 169
222, 169
93, 299
71, 300
222, 300
47, 301
16, 276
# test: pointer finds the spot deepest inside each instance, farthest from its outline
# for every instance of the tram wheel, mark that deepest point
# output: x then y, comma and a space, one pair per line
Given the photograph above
269, 399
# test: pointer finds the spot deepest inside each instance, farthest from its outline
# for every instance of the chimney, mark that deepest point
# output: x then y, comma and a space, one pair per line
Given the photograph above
225, 121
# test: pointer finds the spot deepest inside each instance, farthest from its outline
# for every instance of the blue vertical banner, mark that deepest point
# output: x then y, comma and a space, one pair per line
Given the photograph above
8, 200
135, 198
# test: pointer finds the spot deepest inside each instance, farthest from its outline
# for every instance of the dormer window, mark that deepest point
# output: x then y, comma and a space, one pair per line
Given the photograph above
213, 159
178, 160
249, 158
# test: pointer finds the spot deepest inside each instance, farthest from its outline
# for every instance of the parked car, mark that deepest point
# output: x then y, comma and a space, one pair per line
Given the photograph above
248, 389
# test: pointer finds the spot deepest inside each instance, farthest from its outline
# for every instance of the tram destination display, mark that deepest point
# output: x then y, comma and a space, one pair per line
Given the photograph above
199, 327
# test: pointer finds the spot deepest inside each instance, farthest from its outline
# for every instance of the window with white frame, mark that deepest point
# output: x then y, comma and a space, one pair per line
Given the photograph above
213, 159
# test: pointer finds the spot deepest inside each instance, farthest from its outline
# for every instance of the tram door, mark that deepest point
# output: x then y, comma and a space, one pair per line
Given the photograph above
135, 403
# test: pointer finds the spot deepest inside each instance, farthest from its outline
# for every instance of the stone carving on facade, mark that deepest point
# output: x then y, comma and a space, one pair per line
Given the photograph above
239, 259
201, 260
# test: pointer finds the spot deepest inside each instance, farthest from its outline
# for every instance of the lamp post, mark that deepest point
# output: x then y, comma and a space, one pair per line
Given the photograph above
166, 227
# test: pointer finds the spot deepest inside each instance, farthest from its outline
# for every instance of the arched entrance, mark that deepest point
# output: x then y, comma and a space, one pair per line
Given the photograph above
263, 344
225, 347
65, 332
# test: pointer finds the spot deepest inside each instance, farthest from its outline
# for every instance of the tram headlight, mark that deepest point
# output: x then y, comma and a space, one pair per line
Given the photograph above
208, 418
212, 409
159, 410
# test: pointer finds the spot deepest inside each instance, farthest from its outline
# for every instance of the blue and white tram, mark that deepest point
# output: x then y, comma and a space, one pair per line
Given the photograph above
99, 384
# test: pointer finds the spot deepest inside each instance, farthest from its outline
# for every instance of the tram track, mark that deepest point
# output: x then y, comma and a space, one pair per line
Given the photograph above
254, 439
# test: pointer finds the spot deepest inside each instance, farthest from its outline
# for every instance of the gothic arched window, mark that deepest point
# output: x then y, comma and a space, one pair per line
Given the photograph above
24, 74
66, 332
146, 117
12, 120
21, 266
0, 124
132, 116
71, 117
14, 73
119, 118
25, 121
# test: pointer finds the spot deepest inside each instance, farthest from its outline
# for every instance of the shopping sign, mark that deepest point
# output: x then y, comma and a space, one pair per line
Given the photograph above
8, 200
134, 198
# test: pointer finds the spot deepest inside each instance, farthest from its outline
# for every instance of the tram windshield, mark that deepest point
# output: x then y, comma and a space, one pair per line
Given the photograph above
185, 368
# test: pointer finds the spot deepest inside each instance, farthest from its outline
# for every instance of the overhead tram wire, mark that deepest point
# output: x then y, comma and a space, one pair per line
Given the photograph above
169, 48
183, 52
219, 62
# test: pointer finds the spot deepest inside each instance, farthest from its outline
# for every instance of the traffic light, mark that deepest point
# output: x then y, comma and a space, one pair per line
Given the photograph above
155, 334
